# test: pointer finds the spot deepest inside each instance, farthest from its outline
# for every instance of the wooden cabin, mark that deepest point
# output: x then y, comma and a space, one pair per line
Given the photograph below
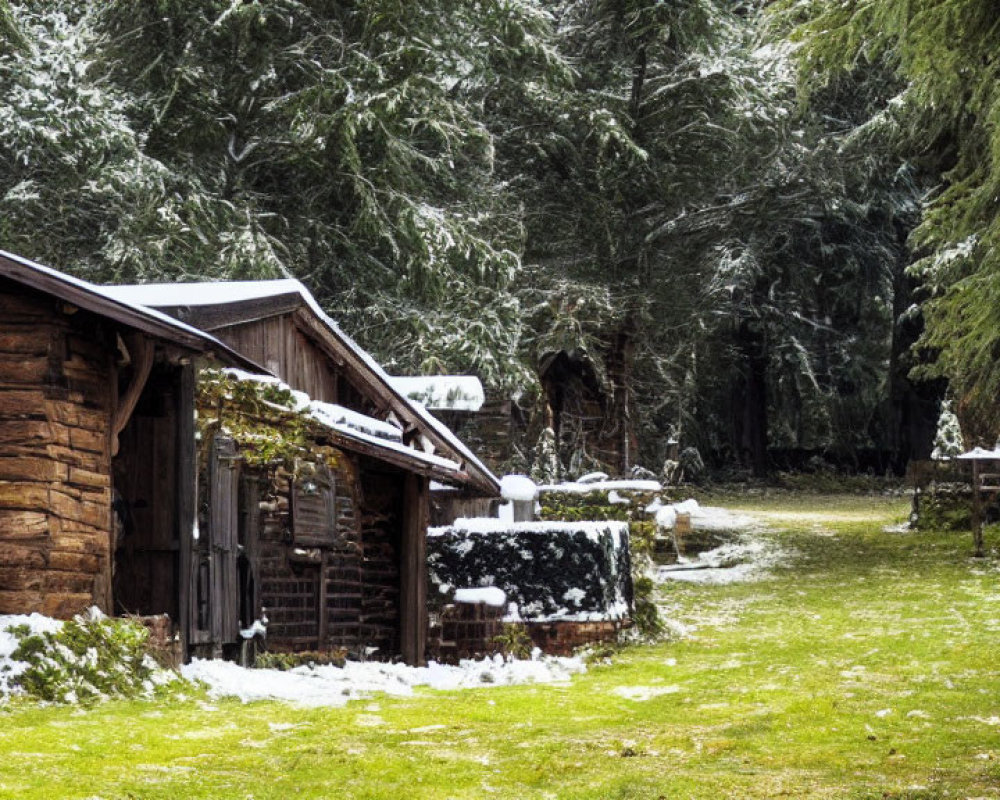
131, 477
96, 412
333, 550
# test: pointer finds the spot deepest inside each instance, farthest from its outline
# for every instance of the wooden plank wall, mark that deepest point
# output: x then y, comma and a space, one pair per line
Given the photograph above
56, 379
279, 345
145, 573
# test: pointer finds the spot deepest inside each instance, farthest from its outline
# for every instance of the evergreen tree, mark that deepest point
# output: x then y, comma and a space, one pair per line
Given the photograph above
944, 120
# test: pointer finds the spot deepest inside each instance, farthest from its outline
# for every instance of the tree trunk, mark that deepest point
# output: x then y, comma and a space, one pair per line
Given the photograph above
911, 409
620, 362
748, 397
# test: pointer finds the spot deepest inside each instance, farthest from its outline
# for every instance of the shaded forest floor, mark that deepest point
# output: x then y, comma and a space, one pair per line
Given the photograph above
866, 665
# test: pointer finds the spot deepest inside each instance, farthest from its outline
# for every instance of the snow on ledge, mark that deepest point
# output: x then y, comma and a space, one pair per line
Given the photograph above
487, 595
576, 487
490, 526
518, 487
329, 414
442, 392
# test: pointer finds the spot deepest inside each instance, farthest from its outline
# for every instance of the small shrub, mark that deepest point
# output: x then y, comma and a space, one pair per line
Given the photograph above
645, 615
91, 658
945, 507
286, 661
513, 641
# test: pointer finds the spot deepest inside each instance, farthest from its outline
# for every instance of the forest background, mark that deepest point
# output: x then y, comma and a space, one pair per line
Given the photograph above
764, 229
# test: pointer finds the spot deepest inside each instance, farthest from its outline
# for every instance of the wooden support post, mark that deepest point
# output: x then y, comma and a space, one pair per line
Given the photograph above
977, 511
413, 571
142, 351
187, 497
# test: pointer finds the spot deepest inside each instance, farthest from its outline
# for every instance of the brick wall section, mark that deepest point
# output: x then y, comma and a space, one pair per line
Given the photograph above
469, 630
562, 638
291, 575
56, 374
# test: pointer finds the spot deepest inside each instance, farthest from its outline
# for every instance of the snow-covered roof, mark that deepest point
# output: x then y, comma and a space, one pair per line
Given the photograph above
175, 295
442, 392
208, 293
981, 454
106, 302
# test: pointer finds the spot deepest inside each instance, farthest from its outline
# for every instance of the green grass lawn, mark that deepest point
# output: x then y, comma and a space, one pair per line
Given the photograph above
867, 667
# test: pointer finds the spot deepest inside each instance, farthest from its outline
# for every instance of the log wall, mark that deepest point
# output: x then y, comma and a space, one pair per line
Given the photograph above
56, 396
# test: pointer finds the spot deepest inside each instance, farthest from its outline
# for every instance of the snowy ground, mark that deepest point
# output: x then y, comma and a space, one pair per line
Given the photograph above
746, 558
10, 669
323, 685
335, 686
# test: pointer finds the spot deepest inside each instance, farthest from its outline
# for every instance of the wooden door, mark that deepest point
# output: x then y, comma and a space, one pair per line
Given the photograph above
215, 575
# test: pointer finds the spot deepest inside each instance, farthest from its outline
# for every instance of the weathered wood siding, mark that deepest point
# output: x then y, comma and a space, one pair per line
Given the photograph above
344, 593
279, 345
56, 397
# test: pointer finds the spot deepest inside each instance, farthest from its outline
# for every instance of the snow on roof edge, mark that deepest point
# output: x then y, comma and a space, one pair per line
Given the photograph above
103, 293
442, 392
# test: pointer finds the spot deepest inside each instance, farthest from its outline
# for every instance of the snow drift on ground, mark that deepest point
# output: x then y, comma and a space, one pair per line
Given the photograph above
747, 557
335, 686
324, 685
10, 669
703, 518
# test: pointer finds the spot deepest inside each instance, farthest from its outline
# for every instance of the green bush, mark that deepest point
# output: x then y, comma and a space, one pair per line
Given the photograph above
513, 641
945, 507
645, 614
286, 661
91, 658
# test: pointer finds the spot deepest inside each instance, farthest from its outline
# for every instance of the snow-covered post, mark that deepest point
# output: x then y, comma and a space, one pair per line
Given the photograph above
520, 492
981, 483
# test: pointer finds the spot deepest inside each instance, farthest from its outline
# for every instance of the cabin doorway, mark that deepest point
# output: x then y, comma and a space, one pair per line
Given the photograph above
152, 501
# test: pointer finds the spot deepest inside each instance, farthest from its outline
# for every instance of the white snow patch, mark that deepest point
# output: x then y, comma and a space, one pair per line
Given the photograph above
746, 559
442, 392
487, 595
666, 517
581, 487
640, 694
687, 507
9, 668
489, 526
335, 686
518, 487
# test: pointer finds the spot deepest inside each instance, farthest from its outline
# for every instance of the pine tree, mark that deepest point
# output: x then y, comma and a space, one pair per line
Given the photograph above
944, 121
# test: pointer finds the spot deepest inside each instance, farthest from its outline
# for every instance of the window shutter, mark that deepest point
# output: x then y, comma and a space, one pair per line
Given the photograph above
314, 509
